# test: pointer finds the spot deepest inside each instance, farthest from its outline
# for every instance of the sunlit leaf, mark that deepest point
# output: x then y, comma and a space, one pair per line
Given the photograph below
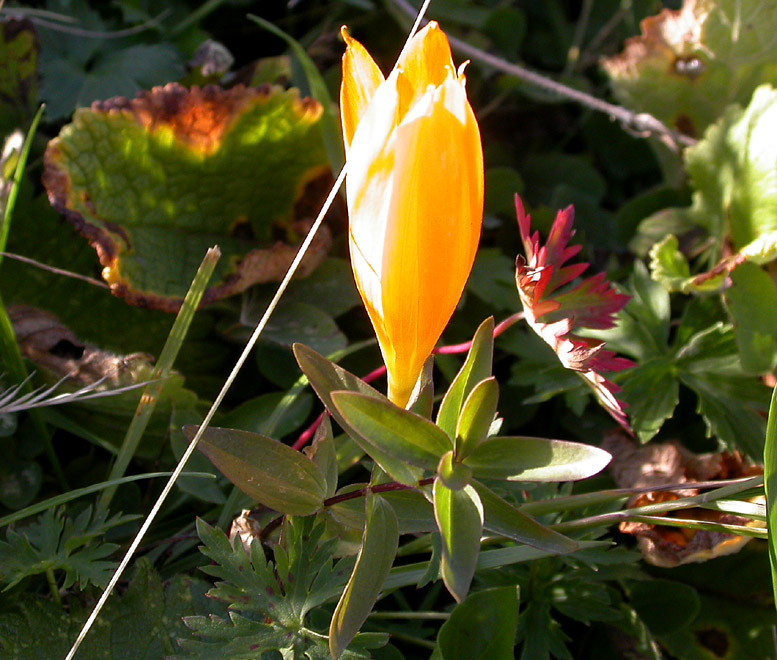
477, 416
535, 459
264, 469
379, 547
689, 64
554, 315
459, 516
154, 181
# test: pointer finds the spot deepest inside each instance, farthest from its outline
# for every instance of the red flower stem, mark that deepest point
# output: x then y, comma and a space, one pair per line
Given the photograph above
452, 349
380, 488
361, 492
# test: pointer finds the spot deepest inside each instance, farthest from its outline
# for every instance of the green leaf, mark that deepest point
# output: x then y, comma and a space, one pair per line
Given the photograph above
477, 415
143, 181
330, 124
55, 542
752, 303
276, 597
459, 516
379, 547
665, 606
19, 85
688, 65
414, 512
522, 458
264, 469
476, 367
503, 518
323, 453
403, 435
326, 377
732, 171
482, 627
454, 475
652, 392
144, 622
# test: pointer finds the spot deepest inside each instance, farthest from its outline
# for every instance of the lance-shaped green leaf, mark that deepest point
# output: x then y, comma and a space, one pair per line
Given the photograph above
414, 512
476, 367
521, 458
459, 515
264, 469
326, 377
503, 518
477, 415
482, 627
403, 435
379, 547
152, 182
453, 474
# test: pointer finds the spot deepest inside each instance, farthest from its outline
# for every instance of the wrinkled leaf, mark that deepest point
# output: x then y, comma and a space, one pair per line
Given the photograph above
535, 459
459, 516
689, 64
264, 469
379, 547
154, 181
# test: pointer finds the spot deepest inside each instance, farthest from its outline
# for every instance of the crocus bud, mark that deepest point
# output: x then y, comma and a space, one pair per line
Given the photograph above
415, 196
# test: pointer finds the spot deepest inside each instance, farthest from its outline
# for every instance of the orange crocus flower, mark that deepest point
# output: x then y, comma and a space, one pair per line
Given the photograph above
415, 196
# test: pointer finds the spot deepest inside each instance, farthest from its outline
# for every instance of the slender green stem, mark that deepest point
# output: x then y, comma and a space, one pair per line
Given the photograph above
421, 616
770, 485
423, 643
150, 396
739, 530
70, 495
53, 587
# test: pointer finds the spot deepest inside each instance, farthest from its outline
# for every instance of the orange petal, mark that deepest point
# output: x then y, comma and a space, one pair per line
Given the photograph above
361, 77
426, 61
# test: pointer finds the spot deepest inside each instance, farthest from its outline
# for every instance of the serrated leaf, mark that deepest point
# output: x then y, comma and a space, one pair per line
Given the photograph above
401, 434
264, 469
459, 516
482, 627
477, 415
379, 547
535, 459
476, 367
503, 518
141, 178
652, 391
752, 303
689, 64
144, 622
326, 377
57, 543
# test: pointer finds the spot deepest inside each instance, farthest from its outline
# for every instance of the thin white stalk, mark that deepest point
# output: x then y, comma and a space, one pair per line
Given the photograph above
217, 402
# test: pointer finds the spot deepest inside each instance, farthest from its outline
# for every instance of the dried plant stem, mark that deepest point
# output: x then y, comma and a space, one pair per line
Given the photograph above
54, 270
